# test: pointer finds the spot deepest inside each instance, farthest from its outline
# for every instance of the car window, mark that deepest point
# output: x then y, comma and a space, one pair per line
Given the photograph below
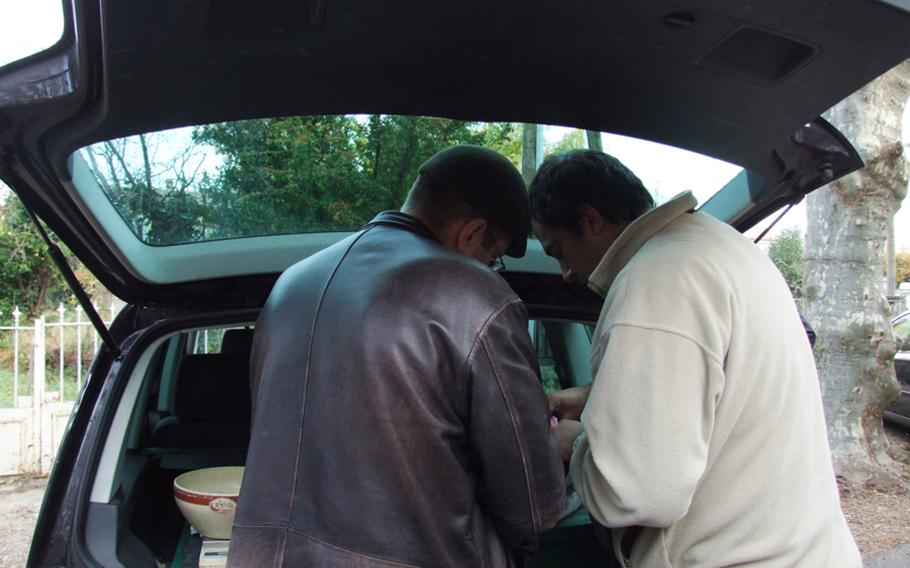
563, 350
902, 328
545, 359
902, 371
902, 333
308, 174
205, 340
171, 355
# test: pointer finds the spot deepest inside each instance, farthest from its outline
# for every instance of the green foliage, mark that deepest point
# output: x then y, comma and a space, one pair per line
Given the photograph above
279, 175
573, 140
6, 388
157, 200
786, 251
505, 138
276, 175
28, 279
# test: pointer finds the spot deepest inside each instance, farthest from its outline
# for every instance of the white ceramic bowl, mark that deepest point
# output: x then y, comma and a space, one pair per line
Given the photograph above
208, 498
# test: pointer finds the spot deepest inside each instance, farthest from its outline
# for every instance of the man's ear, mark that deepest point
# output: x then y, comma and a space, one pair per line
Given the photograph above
590, 221
469, 234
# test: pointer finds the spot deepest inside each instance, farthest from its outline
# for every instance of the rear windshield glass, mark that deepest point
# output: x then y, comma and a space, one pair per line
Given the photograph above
324, 173
28, 27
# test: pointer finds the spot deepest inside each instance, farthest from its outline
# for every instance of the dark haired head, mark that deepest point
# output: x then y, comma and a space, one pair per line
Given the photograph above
568, 180
464, 177
437, 204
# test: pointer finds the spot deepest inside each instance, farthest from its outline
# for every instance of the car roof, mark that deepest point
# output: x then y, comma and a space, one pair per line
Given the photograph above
743, 82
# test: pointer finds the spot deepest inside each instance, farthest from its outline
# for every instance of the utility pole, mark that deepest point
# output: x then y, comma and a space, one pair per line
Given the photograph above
531, 150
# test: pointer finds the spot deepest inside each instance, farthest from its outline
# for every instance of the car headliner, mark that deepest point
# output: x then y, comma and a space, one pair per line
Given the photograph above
733, 80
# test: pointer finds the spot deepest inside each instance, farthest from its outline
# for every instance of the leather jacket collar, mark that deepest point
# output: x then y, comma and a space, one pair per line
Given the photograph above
402, 221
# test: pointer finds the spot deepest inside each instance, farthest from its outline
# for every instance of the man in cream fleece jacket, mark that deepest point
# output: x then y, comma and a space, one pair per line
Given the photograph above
703, 428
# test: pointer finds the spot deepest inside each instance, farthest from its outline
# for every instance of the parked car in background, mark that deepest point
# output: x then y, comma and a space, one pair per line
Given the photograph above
899, 412
189, 152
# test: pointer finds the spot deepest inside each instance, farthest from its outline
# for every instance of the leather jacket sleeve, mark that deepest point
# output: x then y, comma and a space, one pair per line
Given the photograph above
521, 483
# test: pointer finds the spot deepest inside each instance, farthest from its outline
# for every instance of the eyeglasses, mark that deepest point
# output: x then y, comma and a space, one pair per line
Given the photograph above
496, 263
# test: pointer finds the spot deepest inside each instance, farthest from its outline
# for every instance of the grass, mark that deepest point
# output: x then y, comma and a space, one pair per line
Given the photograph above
51, 384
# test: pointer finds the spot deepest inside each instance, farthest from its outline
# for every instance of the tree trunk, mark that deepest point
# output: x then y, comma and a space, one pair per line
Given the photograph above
890, 281
147, 166
528, 151
45, 280
844, 299
595, 142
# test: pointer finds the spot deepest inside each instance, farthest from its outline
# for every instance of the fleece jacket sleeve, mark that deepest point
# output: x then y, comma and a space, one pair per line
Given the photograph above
648, 423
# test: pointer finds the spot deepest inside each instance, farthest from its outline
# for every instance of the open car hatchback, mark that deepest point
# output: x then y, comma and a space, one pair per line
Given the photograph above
187, 152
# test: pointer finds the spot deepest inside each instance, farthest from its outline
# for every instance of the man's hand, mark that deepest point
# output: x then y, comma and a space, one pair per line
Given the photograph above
568, 403
566, 432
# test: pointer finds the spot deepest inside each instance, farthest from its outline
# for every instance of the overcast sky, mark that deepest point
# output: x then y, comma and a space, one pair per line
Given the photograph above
27, 26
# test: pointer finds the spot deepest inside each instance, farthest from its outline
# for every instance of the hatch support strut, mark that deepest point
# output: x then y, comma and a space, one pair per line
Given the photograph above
774, 222
73, 282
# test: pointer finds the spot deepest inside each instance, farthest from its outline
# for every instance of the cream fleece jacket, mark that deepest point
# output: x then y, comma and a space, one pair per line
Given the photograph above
705, 421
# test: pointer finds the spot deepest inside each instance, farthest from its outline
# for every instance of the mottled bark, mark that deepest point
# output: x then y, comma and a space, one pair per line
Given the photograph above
844, 296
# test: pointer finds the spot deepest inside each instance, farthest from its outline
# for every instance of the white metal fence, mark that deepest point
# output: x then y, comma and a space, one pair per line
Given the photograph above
41, 373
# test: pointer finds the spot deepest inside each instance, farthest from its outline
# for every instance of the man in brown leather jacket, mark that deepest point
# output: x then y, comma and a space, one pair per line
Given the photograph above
398, 414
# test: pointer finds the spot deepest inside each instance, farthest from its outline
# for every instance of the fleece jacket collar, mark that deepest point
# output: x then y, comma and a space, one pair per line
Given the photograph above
634, 236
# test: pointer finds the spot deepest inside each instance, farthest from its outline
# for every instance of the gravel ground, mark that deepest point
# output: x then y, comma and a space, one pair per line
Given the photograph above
880, 520
20, 499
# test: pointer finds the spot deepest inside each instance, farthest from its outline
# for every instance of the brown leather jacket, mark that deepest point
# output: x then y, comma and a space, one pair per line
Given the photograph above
398, 414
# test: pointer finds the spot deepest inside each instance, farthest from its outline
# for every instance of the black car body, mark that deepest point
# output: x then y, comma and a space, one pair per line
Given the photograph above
743, 82
899, 412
